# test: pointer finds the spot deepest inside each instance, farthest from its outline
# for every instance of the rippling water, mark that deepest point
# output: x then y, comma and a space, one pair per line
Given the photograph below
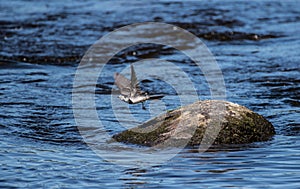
255, 43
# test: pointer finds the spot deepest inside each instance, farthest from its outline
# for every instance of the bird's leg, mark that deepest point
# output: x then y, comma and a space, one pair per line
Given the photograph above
143, 106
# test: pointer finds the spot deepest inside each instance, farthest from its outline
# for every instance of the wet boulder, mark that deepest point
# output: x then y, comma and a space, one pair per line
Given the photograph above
203, 122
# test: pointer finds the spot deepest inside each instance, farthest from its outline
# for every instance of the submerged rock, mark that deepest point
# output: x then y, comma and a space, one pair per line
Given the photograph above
203, 122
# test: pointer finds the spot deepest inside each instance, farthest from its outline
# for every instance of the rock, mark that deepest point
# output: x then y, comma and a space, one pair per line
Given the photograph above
214, 121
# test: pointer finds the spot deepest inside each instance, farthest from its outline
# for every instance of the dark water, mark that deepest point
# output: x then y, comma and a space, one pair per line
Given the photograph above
255, 43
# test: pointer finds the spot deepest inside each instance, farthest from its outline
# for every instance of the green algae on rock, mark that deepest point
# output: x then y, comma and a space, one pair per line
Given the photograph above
214, 121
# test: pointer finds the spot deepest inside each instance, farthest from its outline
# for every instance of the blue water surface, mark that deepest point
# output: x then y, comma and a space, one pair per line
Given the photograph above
256, 45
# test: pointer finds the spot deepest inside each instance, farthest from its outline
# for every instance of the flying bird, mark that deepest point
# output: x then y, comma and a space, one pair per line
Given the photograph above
130, 90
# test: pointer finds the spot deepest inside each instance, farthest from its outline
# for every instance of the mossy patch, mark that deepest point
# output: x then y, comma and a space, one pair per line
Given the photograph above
141, 135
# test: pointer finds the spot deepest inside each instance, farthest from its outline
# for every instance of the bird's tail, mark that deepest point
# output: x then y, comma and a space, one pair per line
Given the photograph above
155, 97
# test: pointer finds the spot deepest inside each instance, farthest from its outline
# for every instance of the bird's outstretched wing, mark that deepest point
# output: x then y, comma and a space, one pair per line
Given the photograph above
128, 87
123, 84
134, 84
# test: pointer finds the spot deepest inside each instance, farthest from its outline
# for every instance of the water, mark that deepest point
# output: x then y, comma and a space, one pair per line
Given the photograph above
42, 43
